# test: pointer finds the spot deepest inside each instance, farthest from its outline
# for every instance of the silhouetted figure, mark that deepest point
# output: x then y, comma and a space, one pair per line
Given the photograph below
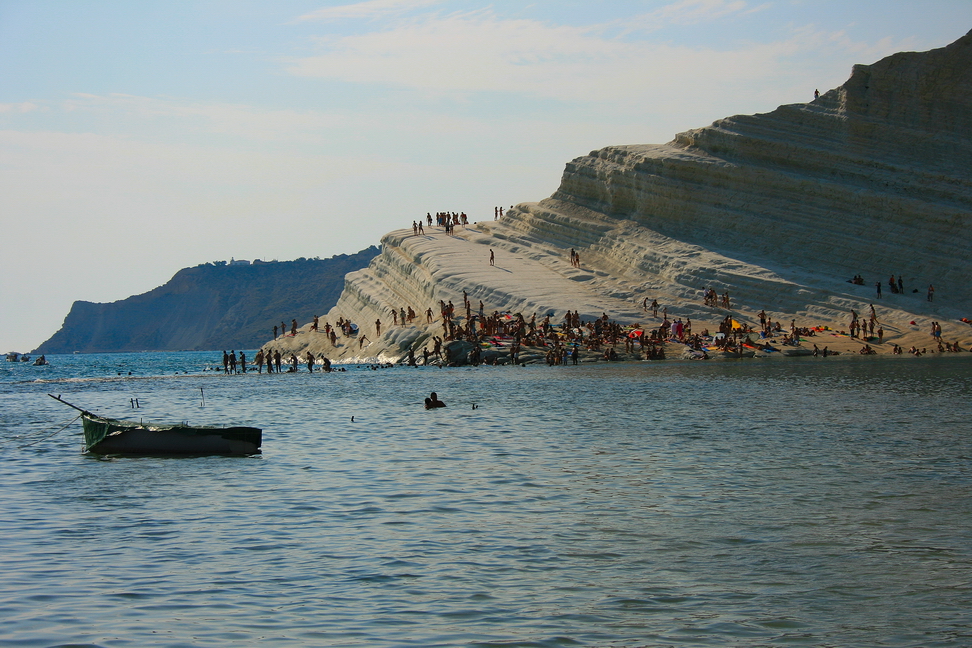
433, 401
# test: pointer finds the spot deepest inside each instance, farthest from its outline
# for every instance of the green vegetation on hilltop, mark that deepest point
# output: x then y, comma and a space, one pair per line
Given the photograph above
210, 306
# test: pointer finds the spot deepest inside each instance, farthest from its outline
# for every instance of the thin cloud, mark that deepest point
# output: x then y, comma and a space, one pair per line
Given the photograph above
246, 122
23, 107
758, 8
370, 9
692, 12
471, 53
685, 13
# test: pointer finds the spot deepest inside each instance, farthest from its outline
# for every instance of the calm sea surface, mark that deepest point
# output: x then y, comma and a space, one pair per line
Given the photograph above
807, 502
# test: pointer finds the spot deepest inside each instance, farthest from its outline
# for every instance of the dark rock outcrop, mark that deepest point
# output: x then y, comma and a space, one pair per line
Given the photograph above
210, 306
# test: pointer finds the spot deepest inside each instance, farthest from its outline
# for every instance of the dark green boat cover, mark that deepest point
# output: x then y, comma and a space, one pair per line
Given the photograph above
181, 438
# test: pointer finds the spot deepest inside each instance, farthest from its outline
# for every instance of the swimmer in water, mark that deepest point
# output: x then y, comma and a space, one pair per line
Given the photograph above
433, 401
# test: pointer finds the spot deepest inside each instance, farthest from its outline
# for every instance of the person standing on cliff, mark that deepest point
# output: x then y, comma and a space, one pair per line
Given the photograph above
274, 331
878, 286
816, 94
931, 292
293, 327
492, 261
378, 327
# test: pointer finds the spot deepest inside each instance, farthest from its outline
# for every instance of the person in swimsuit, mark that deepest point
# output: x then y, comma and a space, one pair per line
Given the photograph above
433, 401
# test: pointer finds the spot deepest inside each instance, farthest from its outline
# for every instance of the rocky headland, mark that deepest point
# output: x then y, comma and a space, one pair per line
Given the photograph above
779, 210
211, 306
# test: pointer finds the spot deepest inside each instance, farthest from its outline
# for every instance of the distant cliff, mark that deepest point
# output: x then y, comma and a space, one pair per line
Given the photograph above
210, 306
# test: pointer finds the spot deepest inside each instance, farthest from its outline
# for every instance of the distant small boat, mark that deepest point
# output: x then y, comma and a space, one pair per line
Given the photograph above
40, 362
104, 435
13, 356
25, 358
738, 354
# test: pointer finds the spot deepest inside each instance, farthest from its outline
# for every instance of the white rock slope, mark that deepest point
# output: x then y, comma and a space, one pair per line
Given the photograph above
778, 209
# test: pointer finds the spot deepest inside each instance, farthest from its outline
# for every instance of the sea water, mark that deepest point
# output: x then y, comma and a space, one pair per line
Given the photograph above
808, 502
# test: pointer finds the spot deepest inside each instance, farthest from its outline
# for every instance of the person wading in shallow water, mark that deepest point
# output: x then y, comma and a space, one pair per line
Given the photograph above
433, 401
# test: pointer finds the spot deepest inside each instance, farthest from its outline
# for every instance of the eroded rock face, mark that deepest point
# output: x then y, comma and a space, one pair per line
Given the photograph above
778, 209
872, 178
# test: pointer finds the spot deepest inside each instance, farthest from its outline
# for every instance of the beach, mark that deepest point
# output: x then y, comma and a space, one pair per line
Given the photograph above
533, 279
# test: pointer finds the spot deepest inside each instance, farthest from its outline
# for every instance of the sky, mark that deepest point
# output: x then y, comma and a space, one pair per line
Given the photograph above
139, 138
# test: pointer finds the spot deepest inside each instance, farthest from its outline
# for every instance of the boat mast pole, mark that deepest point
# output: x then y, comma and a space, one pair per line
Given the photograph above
58, 398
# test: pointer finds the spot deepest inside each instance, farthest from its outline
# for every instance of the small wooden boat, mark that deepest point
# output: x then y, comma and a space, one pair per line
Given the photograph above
800, 351
104, 435
746, 353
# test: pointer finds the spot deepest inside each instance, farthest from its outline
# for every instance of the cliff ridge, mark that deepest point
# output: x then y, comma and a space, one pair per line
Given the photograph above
210, 306
780, 210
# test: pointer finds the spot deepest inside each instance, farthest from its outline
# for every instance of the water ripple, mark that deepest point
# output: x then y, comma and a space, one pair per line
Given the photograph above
690, 505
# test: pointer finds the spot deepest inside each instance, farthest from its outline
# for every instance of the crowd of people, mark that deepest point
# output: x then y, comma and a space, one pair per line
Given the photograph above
274, 361
561, 341
895, 285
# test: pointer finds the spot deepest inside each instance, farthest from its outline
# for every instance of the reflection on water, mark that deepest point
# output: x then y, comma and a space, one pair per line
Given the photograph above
733, 503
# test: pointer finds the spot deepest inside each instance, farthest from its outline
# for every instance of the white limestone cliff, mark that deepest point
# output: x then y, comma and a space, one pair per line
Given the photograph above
778, 209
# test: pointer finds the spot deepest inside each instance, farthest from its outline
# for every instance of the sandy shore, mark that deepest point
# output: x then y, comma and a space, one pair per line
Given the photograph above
531, 277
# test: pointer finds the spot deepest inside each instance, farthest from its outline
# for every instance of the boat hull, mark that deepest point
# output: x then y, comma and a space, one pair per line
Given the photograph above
738, 354
110, 436
793, 353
